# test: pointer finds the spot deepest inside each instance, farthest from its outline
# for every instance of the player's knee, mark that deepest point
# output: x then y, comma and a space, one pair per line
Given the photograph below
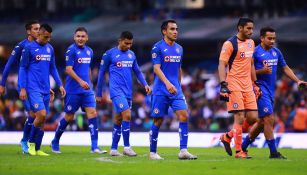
158, 121
69, 117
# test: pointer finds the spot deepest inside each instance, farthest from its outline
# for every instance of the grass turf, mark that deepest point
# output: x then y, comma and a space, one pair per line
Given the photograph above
78, 160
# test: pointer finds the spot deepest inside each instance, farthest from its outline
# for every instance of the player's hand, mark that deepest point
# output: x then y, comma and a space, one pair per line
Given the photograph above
2, 90
224, 91
302, 85
257, 90
23, 94
63, 92
148, 90
99, 99
171, 88
267, 70
51, 96
84, 85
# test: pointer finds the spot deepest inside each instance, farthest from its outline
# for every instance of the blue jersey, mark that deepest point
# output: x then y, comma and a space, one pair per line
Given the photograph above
80, 60
271, 58
120, 65
13, 60
37, 63
170, 58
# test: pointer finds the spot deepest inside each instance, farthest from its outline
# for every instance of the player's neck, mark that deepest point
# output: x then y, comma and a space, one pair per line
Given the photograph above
241, 37
30, 38
168, 41
265, 47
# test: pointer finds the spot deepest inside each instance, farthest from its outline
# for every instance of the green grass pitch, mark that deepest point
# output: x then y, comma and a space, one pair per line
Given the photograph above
76, 160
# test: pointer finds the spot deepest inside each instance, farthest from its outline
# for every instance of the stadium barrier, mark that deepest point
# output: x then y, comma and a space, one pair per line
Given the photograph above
166, 139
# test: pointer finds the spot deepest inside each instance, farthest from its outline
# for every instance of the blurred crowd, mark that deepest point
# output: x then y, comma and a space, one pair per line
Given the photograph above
201, 89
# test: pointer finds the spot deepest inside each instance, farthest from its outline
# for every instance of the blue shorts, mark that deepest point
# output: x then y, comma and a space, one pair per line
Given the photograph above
161, 103
121, 104
265, 105
73, 102
39, 101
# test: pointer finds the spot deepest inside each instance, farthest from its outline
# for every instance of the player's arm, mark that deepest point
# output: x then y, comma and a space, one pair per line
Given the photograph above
225, 54
288, 71
170, 87
180, 75
22, 73
256, 87
15, 55
104, 65
69, 70
56, 77
140, 77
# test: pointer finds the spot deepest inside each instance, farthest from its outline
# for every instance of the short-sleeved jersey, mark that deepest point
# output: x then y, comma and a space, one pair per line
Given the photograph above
273, 58
170, 59
239, 72
37, 63
14, 60
80, 60
120, 65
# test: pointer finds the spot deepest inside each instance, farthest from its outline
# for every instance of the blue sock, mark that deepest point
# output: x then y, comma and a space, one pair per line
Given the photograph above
116, 136
272, 146
92, 125
39, 139
27, 128
33, 134
61, 128
246, 142
126, 132
153, 138
183, 134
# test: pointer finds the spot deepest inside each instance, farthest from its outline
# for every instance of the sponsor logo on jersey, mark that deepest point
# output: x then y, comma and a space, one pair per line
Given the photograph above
84, 60
271, 62
173, 59
124, 63
43, 57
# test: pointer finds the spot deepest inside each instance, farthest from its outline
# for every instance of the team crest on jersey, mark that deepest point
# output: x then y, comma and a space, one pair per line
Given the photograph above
177, 50
38, 57
121, 105
69, 107
242, 54
274, 54
35, 105
130, 55
265, 109
249, 45
48, 50
153, 55
156, 111
88, 53
235, 105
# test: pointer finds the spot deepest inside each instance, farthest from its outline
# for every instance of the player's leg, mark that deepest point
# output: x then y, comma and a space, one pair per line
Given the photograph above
159, 108
27, 126
252, 119
116, 134
269, 136
126, 116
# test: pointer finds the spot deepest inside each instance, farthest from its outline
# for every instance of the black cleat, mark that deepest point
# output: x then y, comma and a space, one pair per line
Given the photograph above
226, 142
277, 155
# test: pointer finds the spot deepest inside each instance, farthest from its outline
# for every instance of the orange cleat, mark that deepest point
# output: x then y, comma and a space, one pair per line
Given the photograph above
243, 155
226, 142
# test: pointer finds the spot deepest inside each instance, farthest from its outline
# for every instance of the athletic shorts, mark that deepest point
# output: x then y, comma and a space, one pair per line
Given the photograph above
242, 101
265, 105
161, 103
121, 104
74, 101
39, 101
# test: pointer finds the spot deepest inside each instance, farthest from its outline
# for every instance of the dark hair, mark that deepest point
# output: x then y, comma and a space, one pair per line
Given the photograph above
28, 25
243, 21
165, 23
126, 35
47, 27
263, 30
81, 29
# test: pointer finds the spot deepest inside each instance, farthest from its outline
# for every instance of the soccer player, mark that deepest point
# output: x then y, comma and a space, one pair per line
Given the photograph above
79, 90
121, 61
167, 91
37, 63
267, 58
32, 28
237, 87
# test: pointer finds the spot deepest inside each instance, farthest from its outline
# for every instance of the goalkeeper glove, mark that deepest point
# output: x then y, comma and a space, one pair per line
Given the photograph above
224, 91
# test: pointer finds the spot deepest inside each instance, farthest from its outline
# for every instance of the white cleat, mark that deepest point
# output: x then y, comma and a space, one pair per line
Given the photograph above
98, 151
185, 155
155, 156
129, 152
115, 153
